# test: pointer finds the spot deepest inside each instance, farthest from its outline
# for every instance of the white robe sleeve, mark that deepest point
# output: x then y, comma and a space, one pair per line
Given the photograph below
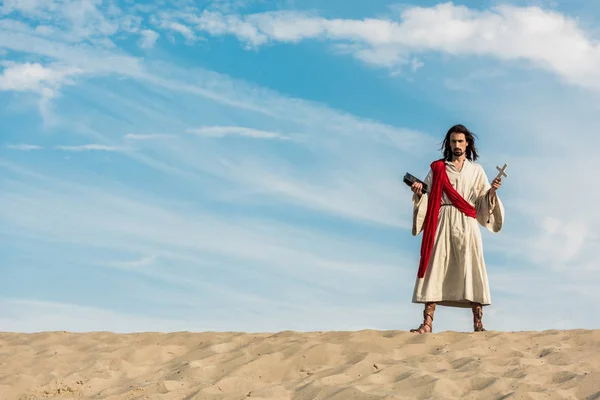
420, 207
490, 211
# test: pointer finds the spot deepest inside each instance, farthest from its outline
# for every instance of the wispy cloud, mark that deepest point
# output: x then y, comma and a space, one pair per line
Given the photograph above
222, 131
69, 20
338, 186
86, 59
90, 147
201, 230
195, 248
24, 147
185, 31
148, 38
147, 136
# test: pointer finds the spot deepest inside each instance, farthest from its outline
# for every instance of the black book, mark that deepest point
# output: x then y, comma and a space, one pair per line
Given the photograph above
410, 179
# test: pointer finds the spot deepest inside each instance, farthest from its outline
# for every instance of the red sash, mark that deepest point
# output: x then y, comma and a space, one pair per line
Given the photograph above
439, 183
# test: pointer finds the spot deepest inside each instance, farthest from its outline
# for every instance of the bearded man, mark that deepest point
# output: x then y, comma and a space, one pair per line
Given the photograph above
458, 199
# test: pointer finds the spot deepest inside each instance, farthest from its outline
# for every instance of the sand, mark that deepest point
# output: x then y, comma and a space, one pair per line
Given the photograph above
291, 365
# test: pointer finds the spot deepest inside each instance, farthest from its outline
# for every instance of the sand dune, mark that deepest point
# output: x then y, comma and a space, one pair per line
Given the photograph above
291, 365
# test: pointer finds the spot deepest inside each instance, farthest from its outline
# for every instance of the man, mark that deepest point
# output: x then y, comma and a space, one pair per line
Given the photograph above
452, 270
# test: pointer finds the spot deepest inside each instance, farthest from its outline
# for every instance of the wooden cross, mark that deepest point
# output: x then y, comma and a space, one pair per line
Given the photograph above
501, 171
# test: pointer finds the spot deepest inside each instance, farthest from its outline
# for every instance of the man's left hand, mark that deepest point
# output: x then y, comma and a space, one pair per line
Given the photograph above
496, 184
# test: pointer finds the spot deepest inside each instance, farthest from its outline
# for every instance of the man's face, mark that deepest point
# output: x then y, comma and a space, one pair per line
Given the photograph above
458, 144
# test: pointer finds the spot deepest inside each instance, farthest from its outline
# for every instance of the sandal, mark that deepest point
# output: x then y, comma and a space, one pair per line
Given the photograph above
477, 316
426, 326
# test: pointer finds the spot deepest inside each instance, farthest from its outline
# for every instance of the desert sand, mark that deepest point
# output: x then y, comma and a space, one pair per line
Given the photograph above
296, 365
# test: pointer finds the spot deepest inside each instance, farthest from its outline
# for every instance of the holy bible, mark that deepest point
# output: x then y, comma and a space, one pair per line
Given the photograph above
410, 179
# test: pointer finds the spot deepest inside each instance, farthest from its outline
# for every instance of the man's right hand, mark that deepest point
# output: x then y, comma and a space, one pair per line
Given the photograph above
417, 188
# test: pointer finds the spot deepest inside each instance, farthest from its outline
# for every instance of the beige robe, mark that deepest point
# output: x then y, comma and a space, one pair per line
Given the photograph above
456, 274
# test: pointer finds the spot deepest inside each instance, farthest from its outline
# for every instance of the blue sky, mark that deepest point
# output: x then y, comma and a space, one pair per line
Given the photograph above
237, 165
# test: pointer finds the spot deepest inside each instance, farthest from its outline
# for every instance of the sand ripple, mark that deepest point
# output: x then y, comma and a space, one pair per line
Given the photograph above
289, 365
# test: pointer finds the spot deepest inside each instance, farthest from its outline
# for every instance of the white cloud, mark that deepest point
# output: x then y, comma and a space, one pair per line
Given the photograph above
35, 77
222, 131
24, 147
185, 31
146, 136
218, 24
547, 39
44, 80
86, 20
35, 8
76, 20
82, 58
90, 147
148, 38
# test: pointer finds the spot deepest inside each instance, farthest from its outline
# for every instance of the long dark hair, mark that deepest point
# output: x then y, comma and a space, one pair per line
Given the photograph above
470, 136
